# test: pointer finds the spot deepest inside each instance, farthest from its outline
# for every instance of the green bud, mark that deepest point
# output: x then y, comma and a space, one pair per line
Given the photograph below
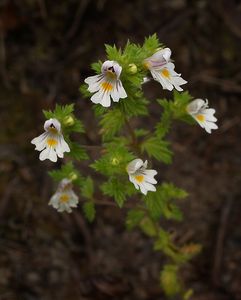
115, 161
68, 121
132, 69
73, 176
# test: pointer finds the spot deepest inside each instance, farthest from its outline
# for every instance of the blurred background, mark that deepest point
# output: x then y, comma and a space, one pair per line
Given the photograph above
46, 48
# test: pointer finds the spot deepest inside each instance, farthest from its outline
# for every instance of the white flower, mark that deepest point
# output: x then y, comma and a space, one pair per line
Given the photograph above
51, 143
106, 85
199, 110
140, 177
162, 70
64, 198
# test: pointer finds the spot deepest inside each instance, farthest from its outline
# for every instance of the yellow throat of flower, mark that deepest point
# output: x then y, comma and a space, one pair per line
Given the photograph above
64, 198
139, 178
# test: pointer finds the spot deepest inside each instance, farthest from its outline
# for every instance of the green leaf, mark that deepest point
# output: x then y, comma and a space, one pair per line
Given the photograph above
77, 152
148, 227
134, 106
170, 281
88, 188
59, 112
89, 210
159, 203
114, 159
158, 149
151, 45
164, 124
117, 189
134, 218
96, 66
111, 122
67, 171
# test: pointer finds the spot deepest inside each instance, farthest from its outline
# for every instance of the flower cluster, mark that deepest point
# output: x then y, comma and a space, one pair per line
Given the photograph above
107, 87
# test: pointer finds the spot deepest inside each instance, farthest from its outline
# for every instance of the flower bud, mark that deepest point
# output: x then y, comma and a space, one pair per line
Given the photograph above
73, 176
68, 121
132, 69
115, 161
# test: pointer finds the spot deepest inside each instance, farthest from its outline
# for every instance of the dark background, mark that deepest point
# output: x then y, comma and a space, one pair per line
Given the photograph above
46, 48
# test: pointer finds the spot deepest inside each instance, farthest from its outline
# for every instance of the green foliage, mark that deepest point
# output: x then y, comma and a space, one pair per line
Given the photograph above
114, 159
121, 144
170, 281
159, 203
134, 106
87, 189
67, 171
64, 114
89, 210
118, 189
111, 122
76, 151
150, 45
158, 149
173, 110
134, 218
148, 226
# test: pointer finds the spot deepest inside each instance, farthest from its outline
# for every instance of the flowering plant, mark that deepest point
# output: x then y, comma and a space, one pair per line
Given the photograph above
126, 151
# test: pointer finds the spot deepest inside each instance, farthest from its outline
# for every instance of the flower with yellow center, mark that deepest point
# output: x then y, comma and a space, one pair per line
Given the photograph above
162, 70
64, 199
51, 143
199, 110
106, 85
142, 178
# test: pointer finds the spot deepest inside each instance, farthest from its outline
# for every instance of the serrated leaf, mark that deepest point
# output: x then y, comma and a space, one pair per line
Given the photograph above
111, 122
67, 171
158, 149
77, 152
148, 227
117, 189
89, 210
87, 189
134, 218
114, 159
170, 281
159, 203
134, 106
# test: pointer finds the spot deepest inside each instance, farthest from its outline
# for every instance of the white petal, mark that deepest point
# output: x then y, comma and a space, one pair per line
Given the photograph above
195, 106
134, 165
48, 153
94, 82
105, 101
132, 179
40, 141
149, 186
163, 81
53, 122
64, 146
209, 114
143, 189
118, 91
